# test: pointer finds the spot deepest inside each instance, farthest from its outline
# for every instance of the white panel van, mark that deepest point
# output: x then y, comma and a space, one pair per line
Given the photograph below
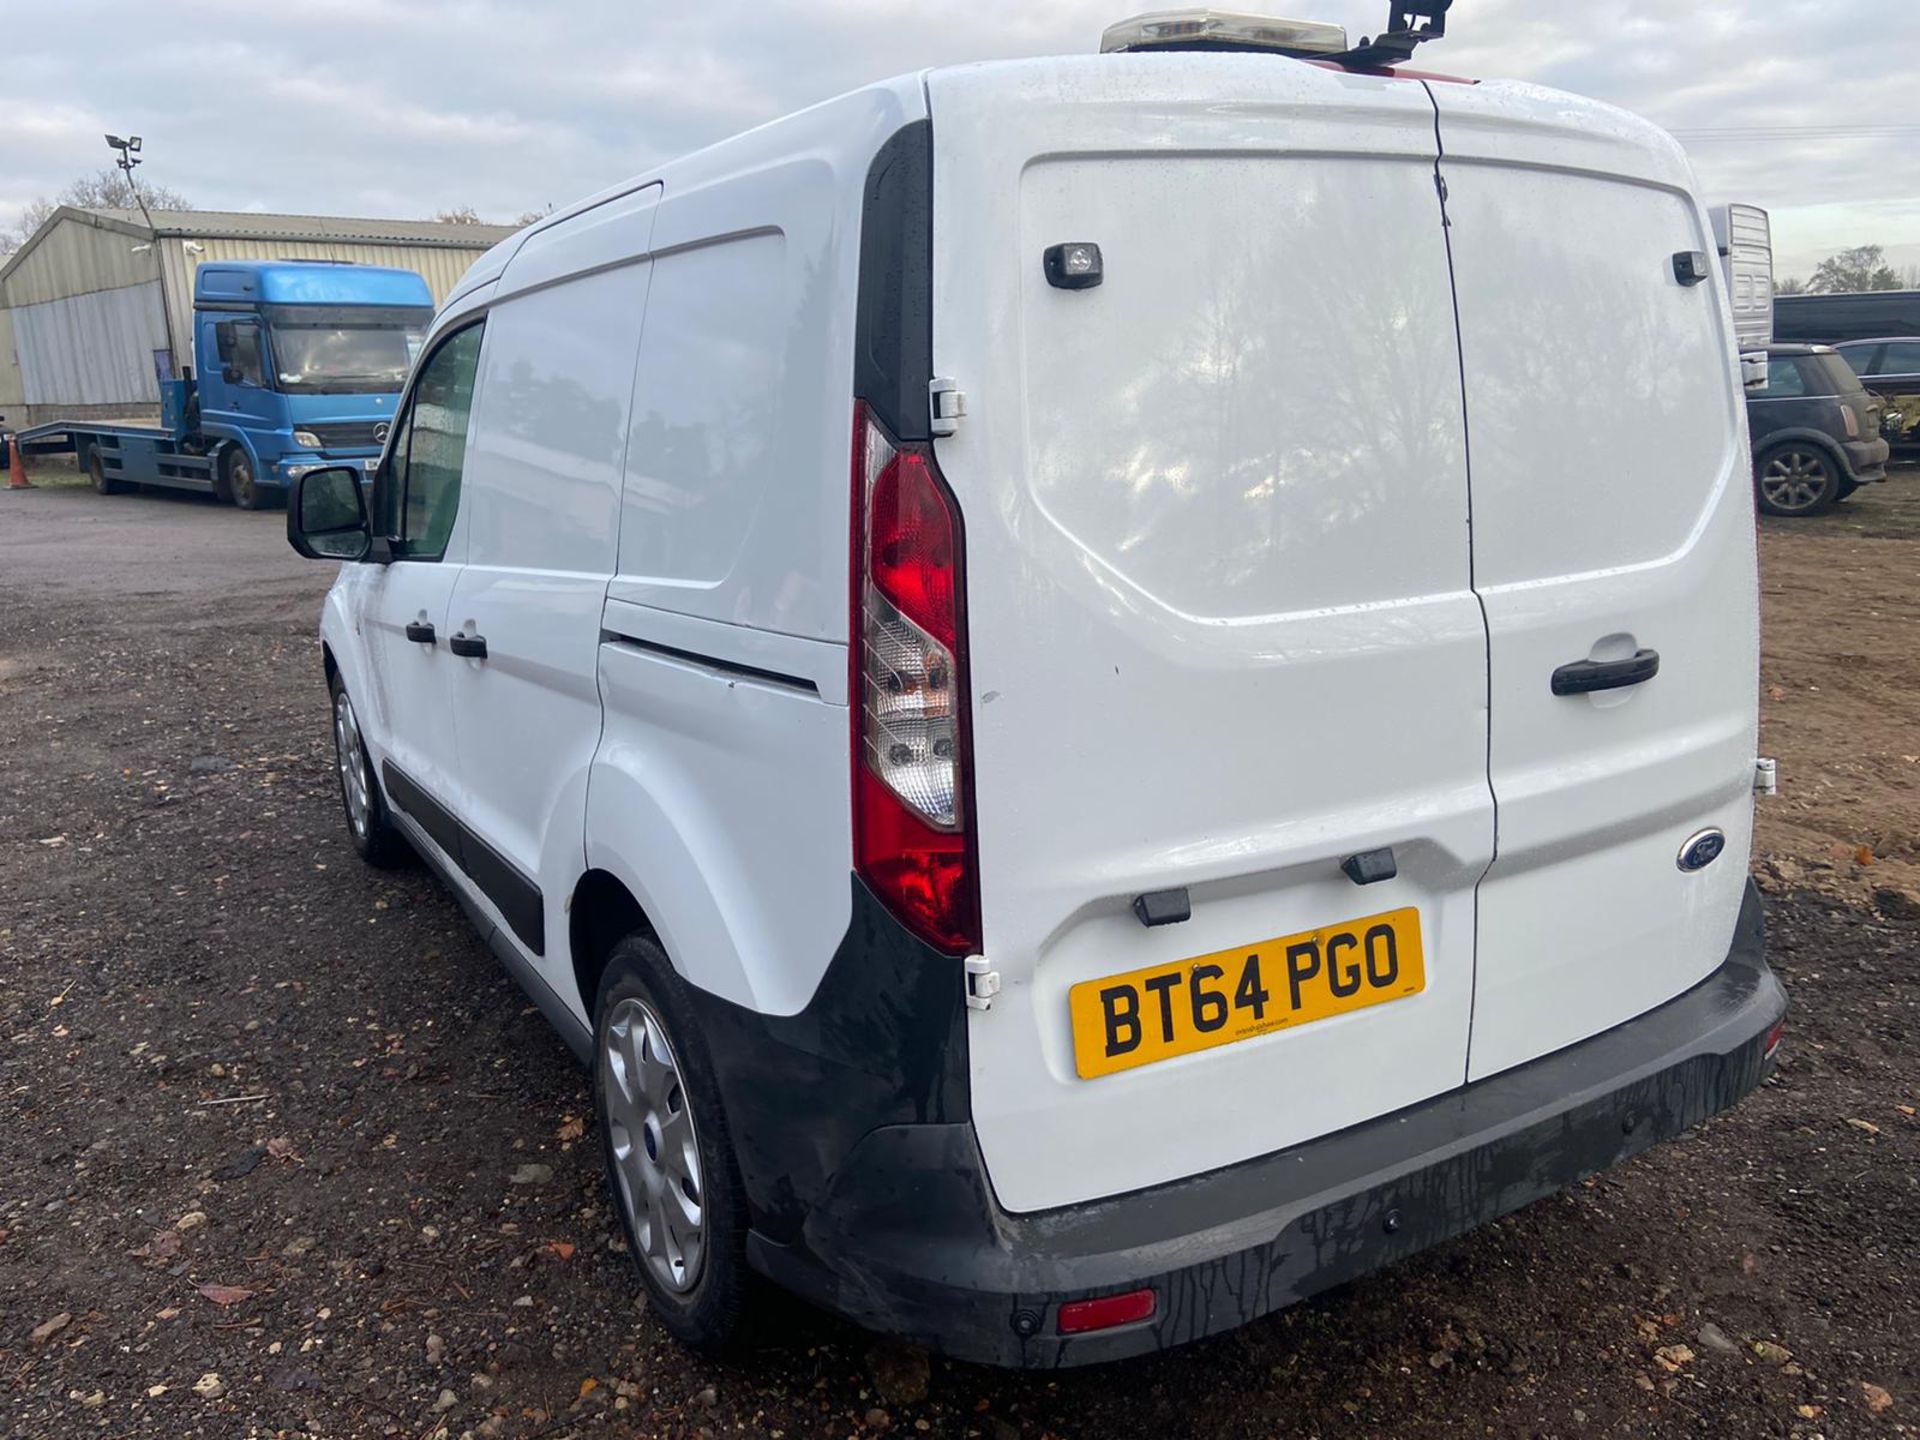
1103, 691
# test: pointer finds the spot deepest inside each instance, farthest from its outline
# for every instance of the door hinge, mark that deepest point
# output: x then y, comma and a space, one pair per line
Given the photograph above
1766, 777
945, 404
983, 983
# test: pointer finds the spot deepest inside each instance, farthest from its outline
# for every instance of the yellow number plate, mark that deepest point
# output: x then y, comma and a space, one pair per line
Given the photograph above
1167, 1010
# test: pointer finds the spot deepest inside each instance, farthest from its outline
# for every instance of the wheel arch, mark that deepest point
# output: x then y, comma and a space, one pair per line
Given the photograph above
601, 913
1802, 435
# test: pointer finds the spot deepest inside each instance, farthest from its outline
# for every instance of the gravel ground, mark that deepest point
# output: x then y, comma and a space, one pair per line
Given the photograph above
284, 1153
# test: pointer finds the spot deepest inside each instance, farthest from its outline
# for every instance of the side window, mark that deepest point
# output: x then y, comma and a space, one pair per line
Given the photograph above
1784, 378
421, 491
248, 354
1902, 357
1861, 359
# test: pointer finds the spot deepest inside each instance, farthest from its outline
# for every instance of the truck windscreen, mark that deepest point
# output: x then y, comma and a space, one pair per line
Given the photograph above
344, 349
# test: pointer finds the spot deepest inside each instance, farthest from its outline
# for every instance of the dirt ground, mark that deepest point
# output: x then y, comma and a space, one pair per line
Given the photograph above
283, 1153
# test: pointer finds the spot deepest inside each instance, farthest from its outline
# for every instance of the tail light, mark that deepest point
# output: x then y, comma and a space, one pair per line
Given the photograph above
1852, 422
912, 834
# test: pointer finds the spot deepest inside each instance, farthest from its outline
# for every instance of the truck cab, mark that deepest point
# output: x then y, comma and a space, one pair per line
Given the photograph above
299, 365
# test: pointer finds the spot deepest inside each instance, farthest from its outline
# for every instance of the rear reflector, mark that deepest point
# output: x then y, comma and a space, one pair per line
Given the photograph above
1077, 1317
1773, 1037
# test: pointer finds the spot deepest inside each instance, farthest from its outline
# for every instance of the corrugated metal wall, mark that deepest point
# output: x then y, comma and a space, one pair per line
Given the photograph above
12, 397
440, 268
92, 349
75, 258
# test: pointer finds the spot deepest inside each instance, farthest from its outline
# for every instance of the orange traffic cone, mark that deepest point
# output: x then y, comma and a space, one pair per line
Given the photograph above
16, 472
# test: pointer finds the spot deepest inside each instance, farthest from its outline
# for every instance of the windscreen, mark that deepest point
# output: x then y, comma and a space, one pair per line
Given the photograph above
345, 349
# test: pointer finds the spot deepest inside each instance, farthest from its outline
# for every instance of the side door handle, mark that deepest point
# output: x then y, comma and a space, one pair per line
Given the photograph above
473, 647
1583, 677
420, 632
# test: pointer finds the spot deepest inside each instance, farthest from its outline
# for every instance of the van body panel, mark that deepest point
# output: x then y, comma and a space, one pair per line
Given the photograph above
721, 802
735, 507
541, 494
1612, 512
1222, 628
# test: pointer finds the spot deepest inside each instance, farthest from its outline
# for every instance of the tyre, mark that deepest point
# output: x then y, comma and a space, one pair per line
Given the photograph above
237, 481
670, 1164
97, 469
368, 824
1796, 479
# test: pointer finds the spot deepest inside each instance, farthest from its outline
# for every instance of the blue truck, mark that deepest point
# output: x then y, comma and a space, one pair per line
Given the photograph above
300, 363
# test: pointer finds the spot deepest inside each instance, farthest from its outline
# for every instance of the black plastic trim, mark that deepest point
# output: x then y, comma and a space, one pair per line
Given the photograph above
517, 898
909, 1237
893, 318
883, 1042
711, 662
573, 1030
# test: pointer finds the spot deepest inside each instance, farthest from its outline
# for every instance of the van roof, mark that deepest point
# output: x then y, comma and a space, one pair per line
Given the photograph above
1150, 75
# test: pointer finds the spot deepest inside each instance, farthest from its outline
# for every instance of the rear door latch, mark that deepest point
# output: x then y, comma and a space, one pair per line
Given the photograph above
983, 983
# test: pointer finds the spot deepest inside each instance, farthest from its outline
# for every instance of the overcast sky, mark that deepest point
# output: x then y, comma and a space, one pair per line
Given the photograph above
405, 107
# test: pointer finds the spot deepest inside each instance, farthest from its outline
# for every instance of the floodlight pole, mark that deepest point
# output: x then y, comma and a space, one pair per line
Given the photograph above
129, 152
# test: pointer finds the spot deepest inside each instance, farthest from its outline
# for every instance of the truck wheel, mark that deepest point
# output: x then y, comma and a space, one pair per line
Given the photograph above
1795, 479
669, 1158
236, 477
369, 826
97, 468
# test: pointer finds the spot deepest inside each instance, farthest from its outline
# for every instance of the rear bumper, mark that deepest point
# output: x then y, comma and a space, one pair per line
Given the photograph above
908, 1239
1867, 459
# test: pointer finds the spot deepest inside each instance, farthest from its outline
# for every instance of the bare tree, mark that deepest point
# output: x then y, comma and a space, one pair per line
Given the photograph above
464, 215
1791, 285
1861, 268
527, 217
105, 189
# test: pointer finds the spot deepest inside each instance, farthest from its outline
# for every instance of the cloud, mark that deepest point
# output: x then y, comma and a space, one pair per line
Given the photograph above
405, 107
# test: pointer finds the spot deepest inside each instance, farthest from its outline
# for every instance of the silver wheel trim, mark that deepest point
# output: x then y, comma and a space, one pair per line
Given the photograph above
1793, 480
351, 757
656, 1151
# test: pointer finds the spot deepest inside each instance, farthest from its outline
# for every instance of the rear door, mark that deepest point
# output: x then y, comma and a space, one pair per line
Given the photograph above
1221, 621
1612, 518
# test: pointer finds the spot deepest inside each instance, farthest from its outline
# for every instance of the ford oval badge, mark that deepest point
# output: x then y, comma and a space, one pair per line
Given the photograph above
1703, 849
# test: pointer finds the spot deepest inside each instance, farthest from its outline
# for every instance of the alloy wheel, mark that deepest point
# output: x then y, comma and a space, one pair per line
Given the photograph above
351, 757
1795, 480
656, 1150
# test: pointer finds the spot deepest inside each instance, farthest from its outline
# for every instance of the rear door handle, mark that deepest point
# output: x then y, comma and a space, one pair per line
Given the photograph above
473, 647
1583, 677
420, 632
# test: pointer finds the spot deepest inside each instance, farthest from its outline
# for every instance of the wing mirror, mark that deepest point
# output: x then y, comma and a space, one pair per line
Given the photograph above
327, 515
1753, 369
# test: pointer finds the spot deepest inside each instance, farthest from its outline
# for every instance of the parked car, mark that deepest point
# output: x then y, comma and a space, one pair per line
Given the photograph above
1828, 319
1816, 432
1891, 370
945, 649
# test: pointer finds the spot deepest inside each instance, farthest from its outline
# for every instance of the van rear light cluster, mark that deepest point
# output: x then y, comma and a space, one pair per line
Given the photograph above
911, 830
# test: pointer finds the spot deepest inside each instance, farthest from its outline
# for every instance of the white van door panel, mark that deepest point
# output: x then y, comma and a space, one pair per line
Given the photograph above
543, 495
1612, 514
1221, 620
400, 608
